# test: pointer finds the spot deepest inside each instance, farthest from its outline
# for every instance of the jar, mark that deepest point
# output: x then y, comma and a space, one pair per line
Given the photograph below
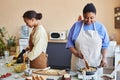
66, 77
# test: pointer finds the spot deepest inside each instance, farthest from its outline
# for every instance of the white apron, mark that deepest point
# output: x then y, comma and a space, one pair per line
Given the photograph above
89, 43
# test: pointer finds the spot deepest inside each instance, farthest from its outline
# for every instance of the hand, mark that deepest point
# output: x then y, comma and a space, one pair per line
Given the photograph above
79, 55
26, 59
23, 51
103, 63
76, 53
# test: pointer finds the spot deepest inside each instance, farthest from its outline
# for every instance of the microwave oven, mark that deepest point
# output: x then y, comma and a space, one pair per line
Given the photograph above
57, 35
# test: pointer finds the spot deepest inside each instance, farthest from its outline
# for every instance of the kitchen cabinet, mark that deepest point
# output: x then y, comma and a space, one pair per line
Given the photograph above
117, 63
110, 58
109, 69
117, 54
58, 56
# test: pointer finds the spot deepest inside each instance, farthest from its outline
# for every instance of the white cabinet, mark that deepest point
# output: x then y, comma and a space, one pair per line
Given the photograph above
117, 54
110, 58
117, 63
109, 69
117, 58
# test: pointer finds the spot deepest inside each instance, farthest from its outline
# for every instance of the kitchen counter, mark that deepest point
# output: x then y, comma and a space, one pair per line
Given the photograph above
4, 69
20, 76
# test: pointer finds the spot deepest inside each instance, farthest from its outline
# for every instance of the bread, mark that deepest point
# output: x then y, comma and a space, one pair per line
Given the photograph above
41, 78
28, 78
34, 78
37, 77
91, 69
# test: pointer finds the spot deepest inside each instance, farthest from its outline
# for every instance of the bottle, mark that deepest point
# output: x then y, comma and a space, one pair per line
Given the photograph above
25, 32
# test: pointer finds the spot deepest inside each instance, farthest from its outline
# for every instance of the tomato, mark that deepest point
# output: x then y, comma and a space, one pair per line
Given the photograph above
8, 74
5, 75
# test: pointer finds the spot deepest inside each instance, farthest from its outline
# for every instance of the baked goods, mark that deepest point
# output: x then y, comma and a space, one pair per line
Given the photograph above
91, 69
37, 77
28, 78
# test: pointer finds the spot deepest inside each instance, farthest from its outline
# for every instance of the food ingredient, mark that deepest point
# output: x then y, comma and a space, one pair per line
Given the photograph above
91, 69
20, 67
5, 75
11, 63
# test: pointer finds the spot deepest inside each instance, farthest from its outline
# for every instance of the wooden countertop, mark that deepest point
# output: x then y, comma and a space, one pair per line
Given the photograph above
57, 41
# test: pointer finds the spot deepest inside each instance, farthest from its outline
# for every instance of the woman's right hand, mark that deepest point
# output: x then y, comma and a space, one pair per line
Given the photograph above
79, 55
76, 53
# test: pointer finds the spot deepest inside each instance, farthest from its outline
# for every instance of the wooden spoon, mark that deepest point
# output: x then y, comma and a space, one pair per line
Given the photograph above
86, 64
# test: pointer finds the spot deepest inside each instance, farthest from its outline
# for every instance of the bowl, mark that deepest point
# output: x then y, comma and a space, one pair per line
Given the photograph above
20, 67
28, 72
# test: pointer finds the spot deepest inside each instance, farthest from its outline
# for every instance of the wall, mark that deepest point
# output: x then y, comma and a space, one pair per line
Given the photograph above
57, 14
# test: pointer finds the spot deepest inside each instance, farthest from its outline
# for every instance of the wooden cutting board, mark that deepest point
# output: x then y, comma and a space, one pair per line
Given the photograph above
54, 72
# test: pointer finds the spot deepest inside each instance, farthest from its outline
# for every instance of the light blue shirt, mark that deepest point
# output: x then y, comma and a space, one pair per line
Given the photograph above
75, 30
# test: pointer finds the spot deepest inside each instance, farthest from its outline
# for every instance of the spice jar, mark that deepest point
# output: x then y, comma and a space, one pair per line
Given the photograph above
66, 77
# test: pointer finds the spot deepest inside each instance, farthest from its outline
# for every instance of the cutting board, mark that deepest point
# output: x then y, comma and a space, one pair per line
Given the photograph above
54, 72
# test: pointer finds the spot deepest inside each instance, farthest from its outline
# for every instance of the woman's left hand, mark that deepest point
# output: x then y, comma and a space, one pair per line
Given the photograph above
103, 63
26, 59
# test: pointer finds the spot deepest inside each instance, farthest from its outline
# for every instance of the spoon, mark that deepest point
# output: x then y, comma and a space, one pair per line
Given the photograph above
86, 63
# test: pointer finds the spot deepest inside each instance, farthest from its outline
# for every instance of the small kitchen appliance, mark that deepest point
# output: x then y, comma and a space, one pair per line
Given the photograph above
23, 41
57, 35
24, 31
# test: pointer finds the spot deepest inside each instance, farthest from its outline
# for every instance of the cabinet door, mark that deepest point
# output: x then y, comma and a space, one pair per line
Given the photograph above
110, 67
110, 61
58, 56
117, 58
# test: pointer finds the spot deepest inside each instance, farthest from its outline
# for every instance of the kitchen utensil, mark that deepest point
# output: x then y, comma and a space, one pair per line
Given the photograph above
89, 71
86, 63
20, 67
28, 72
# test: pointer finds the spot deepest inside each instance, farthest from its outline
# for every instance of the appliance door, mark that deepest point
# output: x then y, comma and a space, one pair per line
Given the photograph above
58, 56
55, 35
